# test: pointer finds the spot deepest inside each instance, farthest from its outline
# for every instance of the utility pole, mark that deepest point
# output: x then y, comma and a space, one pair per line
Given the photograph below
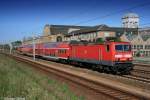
33, 43
10, 48
3, 48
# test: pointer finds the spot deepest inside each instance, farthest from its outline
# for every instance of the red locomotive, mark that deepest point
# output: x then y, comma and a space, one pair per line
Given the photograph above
115, 57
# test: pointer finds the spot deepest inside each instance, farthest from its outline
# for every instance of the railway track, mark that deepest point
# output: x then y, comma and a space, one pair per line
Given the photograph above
142, 64
98, 85
141, 72
137, 78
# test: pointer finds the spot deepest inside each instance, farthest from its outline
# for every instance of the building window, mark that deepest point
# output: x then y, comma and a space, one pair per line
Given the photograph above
134, 46
80, 36
106, 34
148, 46
141, 46
87, 36
91, 36
143, 52
146, 53
145, 46
138, 46
94, 35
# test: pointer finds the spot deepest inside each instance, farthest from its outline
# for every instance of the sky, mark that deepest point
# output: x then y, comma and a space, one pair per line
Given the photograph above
23, 18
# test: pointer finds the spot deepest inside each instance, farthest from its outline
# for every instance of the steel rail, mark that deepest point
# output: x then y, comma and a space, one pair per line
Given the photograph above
139, 64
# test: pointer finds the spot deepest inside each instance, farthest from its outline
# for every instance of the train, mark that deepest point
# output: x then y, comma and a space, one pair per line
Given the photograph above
109, 56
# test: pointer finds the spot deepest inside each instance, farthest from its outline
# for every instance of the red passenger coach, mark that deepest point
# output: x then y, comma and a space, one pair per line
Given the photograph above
25, 49
55, 51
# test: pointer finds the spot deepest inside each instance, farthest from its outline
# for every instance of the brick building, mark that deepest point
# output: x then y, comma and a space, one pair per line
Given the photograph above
99, 31
57, 32
54, 33
140, 42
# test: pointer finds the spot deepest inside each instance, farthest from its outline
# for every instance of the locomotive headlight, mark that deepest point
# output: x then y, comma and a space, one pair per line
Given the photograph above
118, 56
128, 55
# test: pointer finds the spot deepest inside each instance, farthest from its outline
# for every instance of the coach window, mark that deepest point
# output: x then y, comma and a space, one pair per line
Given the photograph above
64, 51
60, 51
107, 48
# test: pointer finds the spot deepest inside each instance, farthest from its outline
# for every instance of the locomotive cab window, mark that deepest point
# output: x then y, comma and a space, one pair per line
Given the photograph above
107, 48
123, 47
119, 47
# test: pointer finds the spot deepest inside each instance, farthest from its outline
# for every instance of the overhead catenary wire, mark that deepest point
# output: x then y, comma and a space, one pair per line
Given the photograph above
113, 13
145, 24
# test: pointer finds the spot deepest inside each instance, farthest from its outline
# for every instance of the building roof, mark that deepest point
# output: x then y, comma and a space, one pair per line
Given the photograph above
145, 33
63, 29
130, 15
90, 29
102, 28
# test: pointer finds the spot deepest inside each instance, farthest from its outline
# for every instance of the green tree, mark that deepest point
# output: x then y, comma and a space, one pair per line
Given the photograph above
100, 40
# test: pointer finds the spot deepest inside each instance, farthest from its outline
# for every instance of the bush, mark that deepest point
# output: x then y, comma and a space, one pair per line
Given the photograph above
100, 40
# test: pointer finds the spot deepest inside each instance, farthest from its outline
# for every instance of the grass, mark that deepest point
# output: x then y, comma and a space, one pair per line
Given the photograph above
17, 80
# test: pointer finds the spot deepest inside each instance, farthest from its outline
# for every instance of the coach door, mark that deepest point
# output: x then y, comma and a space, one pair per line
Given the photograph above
100, 54
73, 52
